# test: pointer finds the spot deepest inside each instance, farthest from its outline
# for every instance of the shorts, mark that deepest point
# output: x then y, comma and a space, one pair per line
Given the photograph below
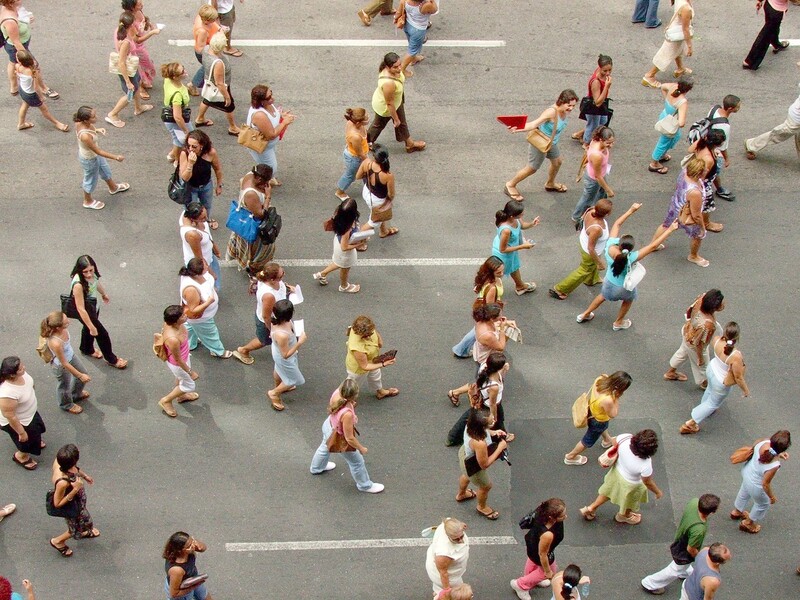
34, 429
228, 19
11, 50
135, 80
481, 478
32, 100
262, 332
594, 430
536, 157
175, 131
615, 293
416, 37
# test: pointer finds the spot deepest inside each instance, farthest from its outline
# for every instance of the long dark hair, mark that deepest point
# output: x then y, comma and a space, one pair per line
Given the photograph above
731, 336
388, 60
621, 261
126, 19
486, 271
494, 363
282, 312
193, 268
201, 138
571, 578
477, 423
83, 262
551, 508
344, 216
174, 546
9, 368
511, 209
381, 156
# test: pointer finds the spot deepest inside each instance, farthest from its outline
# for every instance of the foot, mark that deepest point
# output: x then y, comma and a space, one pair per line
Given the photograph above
121, 187
632, 519
737, 515
624, 324
63, 549
204, 123
725, 194
62, 127
468, 495
321, 279
225, 354
655, 592
416, 147
341, 197
275, 400
188, 397
235, 52
388, 232
746, 66
193, 91
330, 466
749, 526
95, 205
7, 510
529, 287
512, 192
652, 83
143, 109
658, 24
658, 168
375, 488
365, 18
144, 95
243, 357
684, 71
350, 288
714, 227
521, 594
556, 187
689, 427
387, 393
120, 364
28, 464
578, 460
454, 399
607, 443
698, 260
488, 513
587, 513
780, 47
581, 318
274, 183
25, 125
675, 376
74, 409
166, 407
556, 294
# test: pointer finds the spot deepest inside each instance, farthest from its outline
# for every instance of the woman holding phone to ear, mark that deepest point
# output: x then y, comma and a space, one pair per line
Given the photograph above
179, 564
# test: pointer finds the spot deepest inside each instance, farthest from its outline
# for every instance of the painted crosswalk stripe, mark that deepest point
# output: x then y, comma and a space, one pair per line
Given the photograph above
399, 42
358, 544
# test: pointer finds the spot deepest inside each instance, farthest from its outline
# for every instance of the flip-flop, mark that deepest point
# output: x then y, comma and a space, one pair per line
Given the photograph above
25, 126
233, 133
119, 123
492, 515
651, 84
7, 510
581, 319
557, 295
587, 514
247, 360
63, 550
28, 465
626, 323
65, 128
95, 205
454, 400
145, 108
700, 262
666, 158
676, 377
559, 187
121, 187
170, 413
470, 495
206, 123
226, 354
687, 429
390, 393
52, 94
235, 52
92, 533
518, 197
352, 288
75, 409
188, 397
120, 364
660, 170
634, 519
392, 231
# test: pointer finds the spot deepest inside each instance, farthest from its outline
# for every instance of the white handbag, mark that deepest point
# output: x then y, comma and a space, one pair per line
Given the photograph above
668, 125
210, 91
634, 277
674, 33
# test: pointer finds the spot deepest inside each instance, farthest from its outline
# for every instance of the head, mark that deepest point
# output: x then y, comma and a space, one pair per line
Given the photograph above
626, 244
260, 96
195, 211
462, 591
381, 157
615, 384
486, 313
208, 14
10, 368
53, 323
85, 114
695, 168
712, 301
218, 42
357, 116
173, 70
491, 269
390, 61
129, 4
345, 215
719, 553
198, 142
173, 314
708, 504
177, 543
85, 268
551, 510
685, 84
605, 64
282, 312
714, 138
125, 24
455, 530
567, 98
271, 272
262, 174
363, 326
67, 457
780, 441
512, 210
25, 58
477, 423
495, 363
731, 335
731, 103
193, 268
348, 392
605, 135
645, 443
602, 208
571, 578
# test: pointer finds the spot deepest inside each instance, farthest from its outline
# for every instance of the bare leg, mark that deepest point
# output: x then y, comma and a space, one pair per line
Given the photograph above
23, 112
463, 484
201, 113
231, 123
483, 496
329, 269
694, 248
12, 78
598, 300
598, 502
651, 74
49, 116
679, 63
121, 103
579, 447
343, 274
519, 284
523, 173
112, 185
623, 310
555, 165
253, 344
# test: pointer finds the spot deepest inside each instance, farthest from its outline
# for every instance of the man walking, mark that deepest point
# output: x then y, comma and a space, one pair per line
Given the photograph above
719, 116
705, 579
789, 128
688, 542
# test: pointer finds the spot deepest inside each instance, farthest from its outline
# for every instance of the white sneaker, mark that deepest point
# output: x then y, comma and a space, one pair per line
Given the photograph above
329, 467
376, 488
521, 594
543, 583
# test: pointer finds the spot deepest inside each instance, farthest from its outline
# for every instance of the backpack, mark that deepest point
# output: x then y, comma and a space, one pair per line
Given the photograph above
44, 352
270, 226
159, 349
699, 130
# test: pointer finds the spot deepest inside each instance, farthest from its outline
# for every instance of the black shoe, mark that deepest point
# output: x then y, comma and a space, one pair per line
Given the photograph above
781, 47
726, 194
747, 67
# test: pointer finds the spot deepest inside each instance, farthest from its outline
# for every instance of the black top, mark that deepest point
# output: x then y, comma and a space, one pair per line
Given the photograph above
201, 173
532, 541
378, 188
189, 568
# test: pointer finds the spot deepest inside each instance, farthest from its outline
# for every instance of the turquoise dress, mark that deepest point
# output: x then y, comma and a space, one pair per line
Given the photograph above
510, 259
288, 369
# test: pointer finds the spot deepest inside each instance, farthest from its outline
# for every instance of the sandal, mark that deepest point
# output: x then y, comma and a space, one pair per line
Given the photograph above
454, 400
25, 126
119, 123
634, 519
391, 231
662, 170
64, 127
470, 494
687, 428
274, 183
352, 288
95, 532
581, 319
120, 364
416, 147
52, 94
700, 262
63, 550
559, 187
226, 354
684, 71
321, 279
742, 515
390, 393
666, 158
121, 187
650, 83
144, 95
578, 135
75, 409
167, 409
247, 360
675, 377
235, 52
206, 123
188, 397
587, 514
492, 515
751, 528
95, 205
144, 109
96, 354
557, 295
7, 510
277, 405
514, 196
28, 465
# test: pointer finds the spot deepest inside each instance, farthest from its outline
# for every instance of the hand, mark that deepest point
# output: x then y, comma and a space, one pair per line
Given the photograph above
77, 484
25, 582
536, 221
773, 500
218, 189
513, 128
23, 437
105, 298
119, 158
726, 162
502, 445
363, 450
290, 288
601, 264
303, 337
610, 193
674, 226
389, 362
659, 495
194, 375
287, 117
396, 122
93, 331
228, 100
362, 246
510, 322
527, 245
635, 206
129, 85
688, 50
84, 378
192, 157
783, 456
549, 575
155, 31
215, 250
101, 130
88, 479
608, 81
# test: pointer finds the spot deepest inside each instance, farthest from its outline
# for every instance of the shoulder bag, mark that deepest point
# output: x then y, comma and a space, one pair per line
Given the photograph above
337, 442
472, 465
242, 222
634, 277
580, 411
609, 457
44, 351
69, 510
742, 455
674, 30
166, 112
252, 139
131, 63
69, 308
270, 226
669, 125
211, 92
540, 141
176, 188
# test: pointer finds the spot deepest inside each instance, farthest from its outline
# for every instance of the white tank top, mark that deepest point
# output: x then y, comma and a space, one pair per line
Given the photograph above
83, 150
600, 244
206, 290
263, 288
720, 366
250, 189
415, 18
26, 83
205, 241
275, 121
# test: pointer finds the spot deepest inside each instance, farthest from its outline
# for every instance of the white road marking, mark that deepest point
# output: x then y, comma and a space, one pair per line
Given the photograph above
793, 42
357, 544
358, 43
382, 262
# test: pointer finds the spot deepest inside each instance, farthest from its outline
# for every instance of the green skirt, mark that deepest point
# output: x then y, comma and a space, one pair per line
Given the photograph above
626, 495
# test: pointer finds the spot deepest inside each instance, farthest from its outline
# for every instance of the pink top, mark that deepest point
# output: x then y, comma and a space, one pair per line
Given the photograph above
134, 48
603, 164
184, 351
780, 5
336, 418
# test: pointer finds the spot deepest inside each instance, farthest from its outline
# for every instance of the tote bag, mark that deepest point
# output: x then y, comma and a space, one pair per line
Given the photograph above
241, 222
634, 277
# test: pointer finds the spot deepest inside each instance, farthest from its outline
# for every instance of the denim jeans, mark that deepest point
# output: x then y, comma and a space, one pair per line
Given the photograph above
203, 194
198, 593
464, 347
351, 164
647, 11
216, 270
594, 430
592, 123
592, 192
199, 76
206, 333
70, 387
756, 493
267, 157
713, 397
176, 133
355, 460
94, 168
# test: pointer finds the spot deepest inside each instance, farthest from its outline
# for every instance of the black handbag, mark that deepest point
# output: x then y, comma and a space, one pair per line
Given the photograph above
176, 189
70, 510
270, 226
588, 107
168, 117
68, 306
472, 465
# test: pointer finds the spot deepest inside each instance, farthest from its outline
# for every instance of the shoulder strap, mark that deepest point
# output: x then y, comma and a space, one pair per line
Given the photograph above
392, 78
173, 97
211, 70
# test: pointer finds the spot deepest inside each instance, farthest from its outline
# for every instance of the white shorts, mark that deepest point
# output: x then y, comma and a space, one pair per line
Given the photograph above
185, 382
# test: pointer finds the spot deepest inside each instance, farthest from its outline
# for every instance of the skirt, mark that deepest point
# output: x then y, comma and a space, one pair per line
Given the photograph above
668, 52
623, 493
343, 259
251, 257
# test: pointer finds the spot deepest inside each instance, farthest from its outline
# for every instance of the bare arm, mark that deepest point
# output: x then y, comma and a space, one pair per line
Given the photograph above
388, 90
89, 142
593, 232
599, 95
597, 165
173, 344
8, 406
766, 483
737, 371
366, 365
57, 346
650, 484
282, 339
194, 307
482, 452
654, 244
217, 166
545, 541
623, 217
549, 114
253, 204
442, 564
710, 586
350, 433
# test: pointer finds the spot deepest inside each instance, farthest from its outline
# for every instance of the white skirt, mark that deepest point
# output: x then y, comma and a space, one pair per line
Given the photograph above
342, 259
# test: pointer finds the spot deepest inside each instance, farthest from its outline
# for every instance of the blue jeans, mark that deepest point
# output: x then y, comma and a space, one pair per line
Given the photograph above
216, 270
175, 131
592, 123
592, 192
70, 387
355, 460
94, 168
594, 430
198, 593
464, 347
351, 164
647, 11
202, 194
207, 333
664, 145
713, 397
416, 37
756, 493
267, 157
199, 77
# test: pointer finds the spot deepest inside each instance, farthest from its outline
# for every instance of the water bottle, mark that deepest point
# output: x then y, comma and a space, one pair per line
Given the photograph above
130, 95
585, 590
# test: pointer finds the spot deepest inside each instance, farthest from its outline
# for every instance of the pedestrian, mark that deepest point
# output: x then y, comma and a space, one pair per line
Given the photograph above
545, 533
180, 555
30, 81
206, 25
628, 480
196, 160
707, 148
344, 223
227, 19
19, 415
678, 38
477, 439
363, 345
271, 122
621, 258
254, 197
270, 288
566, 582
789, 128
447, 556
598, 166
129, 79
416, 21
488, 285
196, 240
175, 337
770, 33
374, 8
68, 488
144, 31
378, 190
718, 120
551, 123
4, 512
597, 112
688, 542
93, 159
508, 241
675, 105
646, 11
705, 579
217, 71
178, 119
342, 419
603, 403
6, 592
67, 367
285, 347
757, 475
356, 148
592, 245
201, 302
696, 336
84, 288
725, 369
388, 102
15, 27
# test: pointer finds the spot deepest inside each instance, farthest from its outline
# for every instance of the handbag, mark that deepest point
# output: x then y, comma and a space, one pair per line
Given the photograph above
70, 510
580, 411
176, 188
252, 139
609, 457
472, 465
210, 91
69, 308
674, 33
742, 455
337, 442
241, 222
634, 277
168, 117
685, 215
668, 126
540, 141
131, 63
270, 226
588, 107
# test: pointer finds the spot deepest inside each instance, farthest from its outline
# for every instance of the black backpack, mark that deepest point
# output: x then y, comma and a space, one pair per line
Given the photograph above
270, 226
700, 129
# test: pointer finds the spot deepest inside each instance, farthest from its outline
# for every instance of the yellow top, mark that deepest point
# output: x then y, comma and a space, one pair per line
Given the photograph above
379, 101
362, 151
595, 408
355, 343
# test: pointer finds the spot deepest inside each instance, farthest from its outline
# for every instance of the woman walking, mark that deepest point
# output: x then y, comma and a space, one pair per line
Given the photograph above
177, 116
30, 81
93, 159
19, 415
551, 123
175, 337
217, 70
206, 25
201, 303
678, 38
67, 367
628, 480
725, 370
271, 122
598, 112
196, 160
363, 345
68, 480
621, 258
508, 241
196, 240
477, 439
542, 538
770, 33
254, 197
566, 582
417, 20
125, 45
598, 166
592, 244
378, 190
144, 31
180, 564
488, 286
388, 102
604, 398
675, 104
707, 148
355, 149
285, 347
342, 419
85, 287
757, 475
15, 27
345, 224
447, 556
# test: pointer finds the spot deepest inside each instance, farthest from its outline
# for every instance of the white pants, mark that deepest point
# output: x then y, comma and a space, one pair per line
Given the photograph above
779, 134
684, 352
666, 576
684, 595
373, 377
185, 382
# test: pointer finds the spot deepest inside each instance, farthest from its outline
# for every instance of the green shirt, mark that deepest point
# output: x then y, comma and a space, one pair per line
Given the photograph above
175, 95
691, 533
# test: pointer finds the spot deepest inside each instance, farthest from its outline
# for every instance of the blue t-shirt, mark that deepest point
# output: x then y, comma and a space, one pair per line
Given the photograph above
15, 596
632, 258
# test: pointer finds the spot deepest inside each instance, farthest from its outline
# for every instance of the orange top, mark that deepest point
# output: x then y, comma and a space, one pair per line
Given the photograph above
199, 26
364, 148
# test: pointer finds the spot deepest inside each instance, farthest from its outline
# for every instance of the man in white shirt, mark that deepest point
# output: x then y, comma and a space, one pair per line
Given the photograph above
227, 17
789, 128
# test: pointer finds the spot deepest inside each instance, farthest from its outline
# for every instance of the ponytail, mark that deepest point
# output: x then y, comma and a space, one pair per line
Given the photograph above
571, 578
621, 260
193, 268
731, 336
126, 19
494, 363
51, 323
511, 209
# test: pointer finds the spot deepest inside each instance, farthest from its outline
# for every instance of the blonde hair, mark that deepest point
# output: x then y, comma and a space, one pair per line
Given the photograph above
218, 42
454, 527
695, 167
171, 70
462, 591
347, 391
208, 13
51, 323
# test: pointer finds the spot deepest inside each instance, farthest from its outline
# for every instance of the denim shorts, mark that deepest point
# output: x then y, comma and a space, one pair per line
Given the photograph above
615, 293
94, 168
30, 99
262, 333
135, 80
536, 157
175, 131
11, 50
416, 37
594, 430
